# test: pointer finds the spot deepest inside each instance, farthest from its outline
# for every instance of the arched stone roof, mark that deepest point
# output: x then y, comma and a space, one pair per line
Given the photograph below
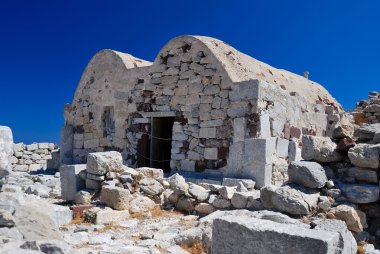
115, 61
241, 67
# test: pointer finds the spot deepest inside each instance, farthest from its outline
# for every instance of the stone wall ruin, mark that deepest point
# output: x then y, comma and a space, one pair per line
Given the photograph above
228, 111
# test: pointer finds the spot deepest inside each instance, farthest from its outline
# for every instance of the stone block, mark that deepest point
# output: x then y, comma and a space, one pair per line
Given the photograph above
264, 126
244, 234
307, 173
32, 147
66, 149
347, 243
294, 152
365, 155
92, 184
211, 153
260, 172
259, 149
207, 132
235, 159
100, 216
282, 148
234, 182
102, 162
115, 197
246, 90
188, 165
239, 127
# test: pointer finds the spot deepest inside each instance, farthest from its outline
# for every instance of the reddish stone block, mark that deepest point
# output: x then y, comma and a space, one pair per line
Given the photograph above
295, 132
79, 209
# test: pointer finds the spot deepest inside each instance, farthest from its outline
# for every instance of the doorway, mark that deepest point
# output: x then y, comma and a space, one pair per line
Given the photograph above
161, 142
154, 147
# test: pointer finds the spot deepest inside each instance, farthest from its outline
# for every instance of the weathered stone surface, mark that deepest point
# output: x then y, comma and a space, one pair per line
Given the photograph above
360, 193
198, 192
365, 155
178, 183
231, 234
308, 174
347, 243
227, 192
82, 198
240, 199
6, 219
102, 162
98, 216
288, 200
204, 208
154, 173
319, 149
362, 174
39, 189
141, 204
151, 186
366, 132
234, 182
347, 214
71, 183
115, 197
185, 204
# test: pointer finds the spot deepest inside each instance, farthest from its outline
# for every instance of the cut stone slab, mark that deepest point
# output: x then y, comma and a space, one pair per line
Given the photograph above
231, 234
308, 174
347, 243
102, 162
115, 197
287, 200
320, 149
71, 183
365, 155
360, 193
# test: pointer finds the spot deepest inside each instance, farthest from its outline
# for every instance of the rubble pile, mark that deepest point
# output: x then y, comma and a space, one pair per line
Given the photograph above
368, 111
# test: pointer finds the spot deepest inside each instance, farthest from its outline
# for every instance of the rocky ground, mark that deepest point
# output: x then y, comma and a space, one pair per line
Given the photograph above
330, 204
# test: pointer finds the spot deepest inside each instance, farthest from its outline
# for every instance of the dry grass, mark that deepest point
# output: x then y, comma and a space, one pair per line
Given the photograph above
156, 212
107, 227
195, 248
78, 218
361, 249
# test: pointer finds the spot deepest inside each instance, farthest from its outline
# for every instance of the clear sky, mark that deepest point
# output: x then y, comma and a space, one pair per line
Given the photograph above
45, 45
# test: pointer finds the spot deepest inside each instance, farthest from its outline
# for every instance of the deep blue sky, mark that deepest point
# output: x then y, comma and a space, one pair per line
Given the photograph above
45, 45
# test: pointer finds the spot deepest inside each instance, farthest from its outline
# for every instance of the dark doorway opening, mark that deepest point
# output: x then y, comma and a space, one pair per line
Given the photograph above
161, 142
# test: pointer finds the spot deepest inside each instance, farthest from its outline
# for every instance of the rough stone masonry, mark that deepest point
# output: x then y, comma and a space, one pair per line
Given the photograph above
200, 105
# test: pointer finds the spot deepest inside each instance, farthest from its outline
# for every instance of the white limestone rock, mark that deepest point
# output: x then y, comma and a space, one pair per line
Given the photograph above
365, 155
115, 197
288, 200
308, 174
320, 149
102, 162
